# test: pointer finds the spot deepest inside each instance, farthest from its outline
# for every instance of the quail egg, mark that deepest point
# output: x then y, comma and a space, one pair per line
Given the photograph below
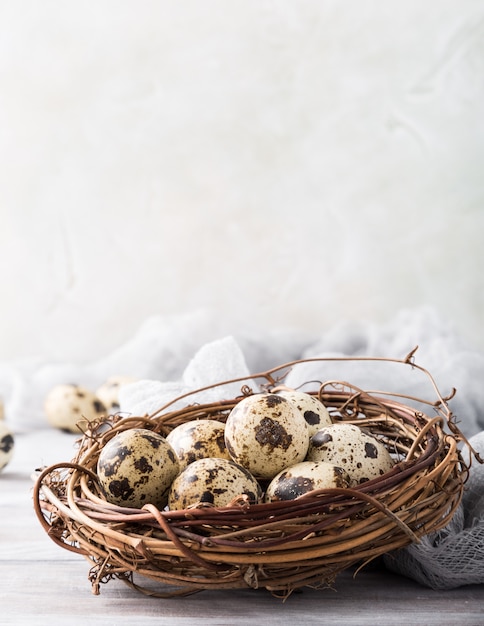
72, 407
6, 444
348, 446
108, 392
136, 467
314, 411
266, 433
198, 439
212, 481
304, 477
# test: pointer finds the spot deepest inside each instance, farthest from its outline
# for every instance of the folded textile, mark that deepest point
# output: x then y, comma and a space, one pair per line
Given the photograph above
454, 556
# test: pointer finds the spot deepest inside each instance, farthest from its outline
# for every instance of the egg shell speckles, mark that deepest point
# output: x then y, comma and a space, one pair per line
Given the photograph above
137, 467
347, 446
198, 439
305, 477
314, 411
7, 444
212, 481
265, 433
68, 407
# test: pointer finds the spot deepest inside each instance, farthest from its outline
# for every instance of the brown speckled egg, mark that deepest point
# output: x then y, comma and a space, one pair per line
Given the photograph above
314, 411
108, 392
198, 439
265, 433
72, 407
212, 481
346, 445
137, 467
7, 443
305, 477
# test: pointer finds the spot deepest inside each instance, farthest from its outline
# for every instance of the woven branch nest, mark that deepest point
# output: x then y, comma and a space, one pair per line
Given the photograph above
279, 546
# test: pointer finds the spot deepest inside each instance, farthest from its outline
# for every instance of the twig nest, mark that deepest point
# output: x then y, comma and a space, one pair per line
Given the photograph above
265, 433
72, 407
315, 413
212, 481
280, 546
7, 443
305, 477
348, 446
197, 440
137, 467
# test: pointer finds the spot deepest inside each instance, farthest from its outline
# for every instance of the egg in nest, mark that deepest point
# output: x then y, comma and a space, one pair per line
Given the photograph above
266, 433
136, 467
212, 481
198, 439
349, 447
305, 477
313, 410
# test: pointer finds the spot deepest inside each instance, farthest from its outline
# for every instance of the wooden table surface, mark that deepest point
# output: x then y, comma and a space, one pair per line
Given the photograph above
44, 584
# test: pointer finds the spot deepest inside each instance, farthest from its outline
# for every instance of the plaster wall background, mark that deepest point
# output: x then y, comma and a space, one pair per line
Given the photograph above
284, 164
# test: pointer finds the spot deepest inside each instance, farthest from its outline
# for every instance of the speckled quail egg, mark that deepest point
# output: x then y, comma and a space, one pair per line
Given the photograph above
304, 477
198, 439
71, 407
314, 411
348, 446
265, 433
108, 392
137, 467
212, 481
7, 443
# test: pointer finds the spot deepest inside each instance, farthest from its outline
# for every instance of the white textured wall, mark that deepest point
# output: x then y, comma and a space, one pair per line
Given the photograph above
292, 163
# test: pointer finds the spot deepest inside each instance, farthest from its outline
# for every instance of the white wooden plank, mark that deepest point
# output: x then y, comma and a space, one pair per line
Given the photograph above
60, 593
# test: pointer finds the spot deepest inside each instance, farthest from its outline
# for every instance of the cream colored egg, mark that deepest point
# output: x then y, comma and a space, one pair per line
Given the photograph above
72, 407
7, 443
305, 477
137, 467
198, 439
108, 392
314, 411
212, 481
347, 446
266, 433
